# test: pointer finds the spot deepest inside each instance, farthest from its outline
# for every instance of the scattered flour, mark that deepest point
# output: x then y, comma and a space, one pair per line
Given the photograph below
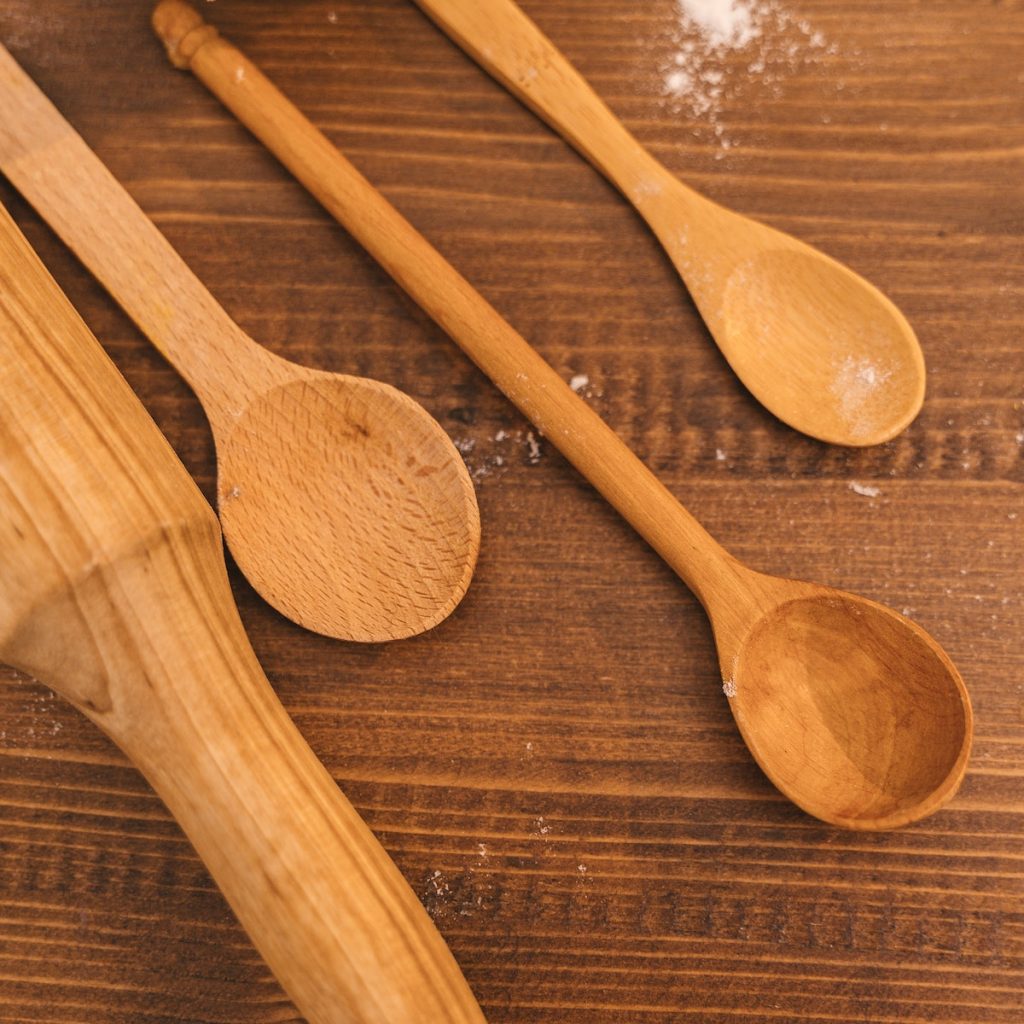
486, 456
722, 22
864, 490
729, 688
698, 79
579, 382
855, 387
533, 452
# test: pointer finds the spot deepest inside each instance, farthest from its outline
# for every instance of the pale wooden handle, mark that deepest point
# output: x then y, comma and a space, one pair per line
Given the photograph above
53, 168
504, 41
113, 591
528, 381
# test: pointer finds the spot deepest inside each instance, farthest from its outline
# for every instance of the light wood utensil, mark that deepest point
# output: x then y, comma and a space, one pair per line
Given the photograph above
113, 591
343, 501
853, 711
818, 345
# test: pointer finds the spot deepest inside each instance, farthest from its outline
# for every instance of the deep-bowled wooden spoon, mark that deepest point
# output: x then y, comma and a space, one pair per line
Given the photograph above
853, 711
343, 501
818, 345
113, 591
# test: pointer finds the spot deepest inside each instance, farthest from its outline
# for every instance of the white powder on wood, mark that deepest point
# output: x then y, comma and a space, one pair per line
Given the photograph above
856, 386
532, 448
864, 490
723, 22
701, 76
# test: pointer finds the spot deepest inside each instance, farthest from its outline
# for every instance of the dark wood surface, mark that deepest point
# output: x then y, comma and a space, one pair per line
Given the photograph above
555, 769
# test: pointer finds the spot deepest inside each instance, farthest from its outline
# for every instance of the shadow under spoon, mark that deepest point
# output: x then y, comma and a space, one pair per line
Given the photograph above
853, 711
342, 500
815, 343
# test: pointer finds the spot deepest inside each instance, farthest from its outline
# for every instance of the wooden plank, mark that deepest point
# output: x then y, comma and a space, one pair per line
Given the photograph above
569, 713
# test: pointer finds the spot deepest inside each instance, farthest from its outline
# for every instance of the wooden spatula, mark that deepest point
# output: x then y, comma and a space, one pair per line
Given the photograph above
113, 591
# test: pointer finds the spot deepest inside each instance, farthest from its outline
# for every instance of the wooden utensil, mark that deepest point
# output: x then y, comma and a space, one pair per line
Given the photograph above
343, 501
853, 711
818, 345
113, 591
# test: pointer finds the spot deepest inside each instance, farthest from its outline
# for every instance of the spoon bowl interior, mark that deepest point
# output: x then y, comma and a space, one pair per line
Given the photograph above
348, 508
853, 711
820, 347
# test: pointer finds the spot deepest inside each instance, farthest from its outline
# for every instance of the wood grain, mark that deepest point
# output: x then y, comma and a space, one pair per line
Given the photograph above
343, 501
569, 712
115, 594
853, 711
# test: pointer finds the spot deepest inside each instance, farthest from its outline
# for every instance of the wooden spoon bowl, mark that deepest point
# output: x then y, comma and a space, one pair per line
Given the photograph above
386, 490
819, 346
852, 710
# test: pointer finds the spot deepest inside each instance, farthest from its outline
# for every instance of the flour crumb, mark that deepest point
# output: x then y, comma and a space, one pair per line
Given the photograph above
729, 688
864, 490
719, 455
579, 382
239, 74
438, 888
532, 448
332, 17
541, 828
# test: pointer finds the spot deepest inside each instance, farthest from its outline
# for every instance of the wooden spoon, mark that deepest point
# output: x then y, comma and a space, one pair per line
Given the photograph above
343, 501
113, 591
818, 345
853, 711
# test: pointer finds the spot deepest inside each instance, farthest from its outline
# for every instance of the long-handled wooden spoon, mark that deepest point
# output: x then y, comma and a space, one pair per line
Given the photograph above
343, 501
818, 345
113, 591
853, 711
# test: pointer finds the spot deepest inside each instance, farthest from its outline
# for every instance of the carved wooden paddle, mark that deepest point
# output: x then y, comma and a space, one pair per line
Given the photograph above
343, 501
853, 711
814, 342
113, 591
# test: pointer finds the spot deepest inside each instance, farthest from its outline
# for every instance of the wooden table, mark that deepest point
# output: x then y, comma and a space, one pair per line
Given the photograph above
554, 768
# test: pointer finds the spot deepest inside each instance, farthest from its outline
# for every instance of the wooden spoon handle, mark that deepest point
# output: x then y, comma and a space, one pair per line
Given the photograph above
113, 591
54, 169
528, 381
506, 43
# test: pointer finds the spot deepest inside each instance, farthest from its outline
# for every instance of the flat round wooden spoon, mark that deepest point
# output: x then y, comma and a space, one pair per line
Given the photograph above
818, 345
853, 711
343, 501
